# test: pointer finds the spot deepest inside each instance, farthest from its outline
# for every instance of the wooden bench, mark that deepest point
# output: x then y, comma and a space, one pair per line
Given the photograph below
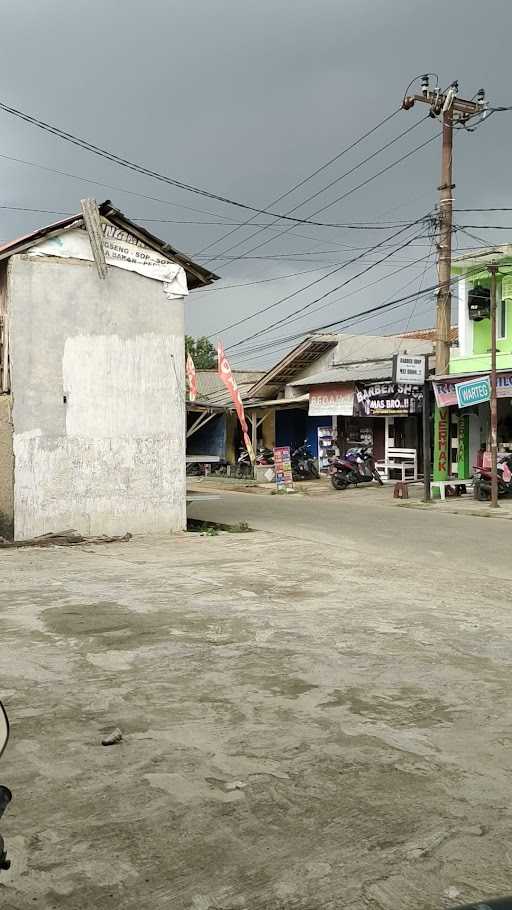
403, 460
451, 482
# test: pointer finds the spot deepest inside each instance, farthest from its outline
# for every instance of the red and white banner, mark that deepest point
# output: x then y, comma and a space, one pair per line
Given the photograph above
229, 381
191, 377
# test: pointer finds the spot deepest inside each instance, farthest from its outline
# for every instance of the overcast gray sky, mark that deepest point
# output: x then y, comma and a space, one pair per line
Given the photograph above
245, 98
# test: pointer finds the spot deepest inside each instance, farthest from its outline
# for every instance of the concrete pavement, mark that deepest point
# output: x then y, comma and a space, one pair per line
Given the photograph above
316, 715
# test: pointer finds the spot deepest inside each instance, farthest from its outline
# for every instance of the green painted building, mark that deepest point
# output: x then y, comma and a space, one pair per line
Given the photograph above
462, 435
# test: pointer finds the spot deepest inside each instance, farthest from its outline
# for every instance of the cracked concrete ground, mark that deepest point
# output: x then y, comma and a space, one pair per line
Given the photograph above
308, 723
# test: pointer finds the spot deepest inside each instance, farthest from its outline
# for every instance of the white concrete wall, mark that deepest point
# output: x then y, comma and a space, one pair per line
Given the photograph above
98, 400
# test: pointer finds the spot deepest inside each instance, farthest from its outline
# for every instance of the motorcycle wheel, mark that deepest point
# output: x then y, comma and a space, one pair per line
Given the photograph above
377, 477
339, 481
313, 470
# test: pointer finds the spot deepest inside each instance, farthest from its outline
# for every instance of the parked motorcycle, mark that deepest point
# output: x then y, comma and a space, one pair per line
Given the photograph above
482, 479
355, 467
304, 466
5, 793
264, 456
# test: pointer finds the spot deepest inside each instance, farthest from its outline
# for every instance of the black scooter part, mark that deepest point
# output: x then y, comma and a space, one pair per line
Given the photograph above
5, 798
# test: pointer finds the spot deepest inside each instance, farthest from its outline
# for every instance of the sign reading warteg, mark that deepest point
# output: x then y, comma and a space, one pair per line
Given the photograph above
474, 391
409, 368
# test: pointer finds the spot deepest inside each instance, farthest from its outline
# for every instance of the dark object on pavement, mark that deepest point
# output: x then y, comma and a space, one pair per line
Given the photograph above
62, 539
112, 738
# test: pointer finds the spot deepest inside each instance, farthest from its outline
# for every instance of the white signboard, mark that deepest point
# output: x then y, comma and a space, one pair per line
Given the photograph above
332, 400
122, 250
409, 368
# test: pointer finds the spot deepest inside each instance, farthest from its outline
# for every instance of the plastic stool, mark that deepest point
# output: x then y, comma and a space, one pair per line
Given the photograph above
400, 490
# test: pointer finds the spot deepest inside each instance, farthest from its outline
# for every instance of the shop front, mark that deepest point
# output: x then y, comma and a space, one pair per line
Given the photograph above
385, 415
462, 435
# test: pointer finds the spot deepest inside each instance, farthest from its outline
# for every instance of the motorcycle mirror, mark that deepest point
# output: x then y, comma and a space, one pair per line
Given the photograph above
4, 728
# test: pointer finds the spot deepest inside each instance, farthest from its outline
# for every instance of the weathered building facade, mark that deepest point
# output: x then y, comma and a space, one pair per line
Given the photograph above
92, 415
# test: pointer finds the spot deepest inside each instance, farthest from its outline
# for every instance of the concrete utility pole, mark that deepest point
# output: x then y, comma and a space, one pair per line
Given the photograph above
493, 403
452, 110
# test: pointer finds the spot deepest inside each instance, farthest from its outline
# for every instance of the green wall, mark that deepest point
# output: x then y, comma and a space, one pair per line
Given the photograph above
482, 329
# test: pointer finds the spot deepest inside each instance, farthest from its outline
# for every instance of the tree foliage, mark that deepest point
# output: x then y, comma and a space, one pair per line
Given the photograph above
202, 352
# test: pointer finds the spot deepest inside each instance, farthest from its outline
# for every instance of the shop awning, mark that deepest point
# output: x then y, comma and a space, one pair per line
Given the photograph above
277, 402
446, 395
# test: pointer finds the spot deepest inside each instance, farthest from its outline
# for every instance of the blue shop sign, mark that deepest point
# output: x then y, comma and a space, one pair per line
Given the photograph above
474, 391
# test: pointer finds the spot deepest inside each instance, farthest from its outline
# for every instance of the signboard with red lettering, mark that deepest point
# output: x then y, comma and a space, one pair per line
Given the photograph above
332, 400
283, 468
446, 392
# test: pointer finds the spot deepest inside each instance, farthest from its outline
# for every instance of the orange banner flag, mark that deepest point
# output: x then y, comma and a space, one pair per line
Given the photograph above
229, 381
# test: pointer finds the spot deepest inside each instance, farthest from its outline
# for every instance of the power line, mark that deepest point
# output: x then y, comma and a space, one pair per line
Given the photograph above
380, 226
487, 227
327, 186
358, 322
364, 287
332, 290
274, 325
246, 284
301, 183
345, 195
311, 284
109, 186
357, 226
329, 325
422, 279
139, 168
484, 210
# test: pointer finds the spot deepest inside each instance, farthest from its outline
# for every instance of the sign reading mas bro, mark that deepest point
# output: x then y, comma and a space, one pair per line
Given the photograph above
385, 399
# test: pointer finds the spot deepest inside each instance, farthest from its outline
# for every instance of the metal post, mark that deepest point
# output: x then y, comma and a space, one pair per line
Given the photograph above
444, 297
426, 435
493, 403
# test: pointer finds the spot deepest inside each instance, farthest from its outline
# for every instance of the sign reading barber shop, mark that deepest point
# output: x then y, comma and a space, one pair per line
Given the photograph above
385, 399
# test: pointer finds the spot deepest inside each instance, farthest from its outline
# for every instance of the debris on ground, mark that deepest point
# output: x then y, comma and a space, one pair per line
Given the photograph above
62, 539
112, 738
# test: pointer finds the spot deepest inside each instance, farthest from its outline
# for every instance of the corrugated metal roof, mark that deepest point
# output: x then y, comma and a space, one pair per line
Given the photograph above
287, 403
356, 358
298, 359
353, 349
197, 275
211, 388
431, 334
358, 373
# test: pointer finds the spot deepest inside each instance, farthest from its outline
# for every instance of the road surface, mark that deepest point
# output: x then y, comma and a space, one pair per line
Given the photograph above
315, 716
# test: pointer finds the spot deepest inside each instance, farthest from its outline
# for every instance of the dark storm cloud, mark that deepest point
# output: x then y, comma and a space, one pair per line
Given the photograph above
245, 98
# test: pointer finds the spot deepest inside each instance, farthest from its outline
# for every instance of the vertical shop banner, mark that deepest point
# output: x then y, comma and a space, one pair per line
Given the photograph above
191, 378
283, 468
224, 371
463, 471
441, 444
